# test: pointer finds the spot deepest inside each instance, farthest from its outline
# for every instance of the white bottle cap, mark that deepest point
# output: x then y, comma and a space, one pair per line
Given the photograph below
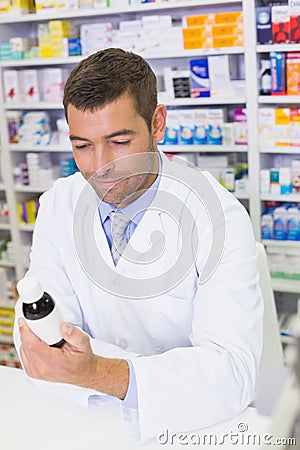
29, 289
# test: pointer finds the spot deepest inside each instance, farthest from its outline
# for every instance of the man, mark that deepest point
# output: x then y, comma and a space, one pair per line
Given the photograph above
171, 323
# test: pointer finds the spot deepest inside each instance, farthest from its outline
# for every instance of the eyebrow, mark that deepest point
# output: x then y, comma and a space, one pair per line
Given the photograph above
124, 132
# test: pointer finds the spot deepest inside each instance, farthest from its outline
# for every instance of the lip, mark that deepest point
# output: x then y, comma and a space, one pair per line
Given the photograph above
108, 182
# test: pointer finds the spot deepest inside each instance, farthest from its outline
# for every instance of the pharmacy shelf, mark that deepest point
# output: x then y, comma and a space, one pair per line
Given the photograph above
241, 195
26, 227
278, 48
203, 148
285, 244
278, 99
282, 285
281, 149
7, 305
4, 226
162, 99
164, 148
280, 198
32, 106
6, 263
81, 13
6, 339
149, 56
207, 101
40, 148
31, 189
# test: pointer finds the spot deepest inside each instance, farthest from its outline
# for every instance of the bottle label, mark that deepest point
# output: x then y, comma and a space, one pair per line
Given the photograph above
47, 328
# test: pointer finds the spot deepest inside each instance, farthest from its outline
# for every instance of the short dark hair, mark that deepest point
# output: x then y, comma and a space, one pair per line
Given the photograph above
103, 77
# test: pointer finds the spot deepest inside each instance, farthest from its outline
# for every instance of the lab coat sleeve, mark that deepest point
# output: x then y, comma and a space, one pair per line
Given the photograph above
47, 266
213, 380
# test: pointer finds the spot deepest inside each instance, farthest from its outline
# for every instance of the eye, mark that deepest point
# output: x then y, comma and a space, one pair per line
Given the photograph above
127, 142
81, 147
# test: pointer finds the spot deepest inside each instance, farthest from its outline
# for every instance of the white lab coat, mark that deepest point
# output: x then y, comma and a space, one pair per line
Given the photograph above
195, 349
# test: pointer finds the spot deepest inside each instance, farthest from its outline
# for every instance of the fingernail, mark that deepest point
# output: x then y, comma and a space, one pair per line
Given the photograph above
66, 328
20, 322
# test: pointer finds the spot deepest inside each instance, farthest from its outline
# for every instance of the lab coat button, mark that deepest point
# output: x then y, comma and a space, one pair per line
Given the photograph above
123, 344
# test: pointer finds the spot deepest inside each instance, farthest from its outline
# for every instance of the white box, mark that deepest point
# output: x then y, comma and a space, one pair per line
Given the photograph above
11, 86
29, 85
266, 127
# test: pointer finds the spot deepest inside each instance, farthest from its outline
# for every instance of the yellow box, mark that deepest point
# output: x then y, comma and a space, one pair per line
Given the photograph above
230, 29
4, 6
20, 213
44, 5
6, 316
229, 17
282, 127
200, 20
191, 44
46, 51
228, 41
196, 32
293, 74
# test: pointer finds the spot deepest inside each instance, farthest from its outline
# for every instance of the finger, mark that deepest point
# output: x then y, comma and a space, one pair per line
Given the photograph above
28, 338
74, 336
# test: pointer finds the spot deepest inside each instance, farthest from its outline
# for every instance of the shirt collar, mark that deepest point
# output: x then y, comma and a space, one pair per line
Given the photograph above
135, 209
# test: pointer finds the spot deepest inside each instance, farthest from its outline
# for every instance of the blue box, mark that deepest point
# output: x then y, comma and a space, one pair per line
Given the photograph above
278, 73
200, 83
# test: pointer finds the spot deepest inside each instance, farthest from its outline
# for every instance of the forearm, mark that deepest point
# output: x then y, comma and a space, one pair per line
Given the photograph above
110, 376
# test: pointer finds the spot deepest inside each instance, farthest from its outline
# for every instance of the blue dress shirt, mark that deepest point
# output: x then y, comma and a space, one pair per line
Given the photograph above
134, 211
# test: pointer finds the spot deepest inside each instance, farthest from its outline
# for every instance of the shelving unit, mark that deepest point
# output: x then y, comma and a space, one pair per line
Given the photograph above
251, 101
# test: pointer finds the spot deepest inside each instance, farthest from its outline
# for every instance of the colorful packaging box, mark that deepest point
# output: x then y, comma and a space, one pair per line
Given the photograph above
266, 127
295, 127
280, 24
201, 126
293, 73
278, 73
200, 83
264, 25
240, 127
215, 124
282, 127
294, 7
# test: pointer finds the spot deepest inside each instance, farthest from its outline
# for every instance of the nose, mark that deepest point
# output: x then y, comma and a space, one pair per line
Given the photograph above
103, 161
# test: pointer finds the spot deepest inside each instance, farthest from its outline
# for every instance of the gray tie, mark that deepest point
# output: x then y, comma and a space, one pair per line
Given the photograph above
119, 223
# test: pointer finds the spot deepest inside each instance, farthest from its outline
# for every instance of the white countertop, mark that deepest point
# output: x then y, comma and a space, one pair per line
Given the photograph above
33, 420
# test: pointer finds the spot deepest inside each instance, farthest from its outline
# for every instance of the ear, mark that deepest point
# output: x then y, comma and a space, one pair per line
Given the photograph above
159, 122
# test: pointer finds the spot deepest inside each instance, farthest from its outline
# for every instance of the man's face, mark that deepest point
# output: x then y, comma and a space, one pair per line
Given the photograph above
114, 150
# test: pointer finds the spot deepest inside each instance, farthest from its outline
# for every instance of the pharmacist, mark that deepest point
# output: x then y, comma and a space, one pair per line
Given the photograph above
170, 322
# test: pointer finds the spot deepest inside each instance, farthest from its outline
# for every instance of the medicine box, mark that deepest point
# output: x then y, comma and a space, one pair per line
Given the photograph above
240, 127
280, 24
201, 126
293, 73
192, 44
196, 32
266, 127
186, 126
29, 85
229, 17
282, 127
199, 20
278, 72
294, 8
264, 25
200, 83
215, 124
11, 86
295, 126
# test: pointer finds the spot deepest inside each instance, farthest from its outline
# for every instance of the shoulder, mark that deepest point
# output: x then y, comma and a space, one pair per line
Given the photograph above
64, 192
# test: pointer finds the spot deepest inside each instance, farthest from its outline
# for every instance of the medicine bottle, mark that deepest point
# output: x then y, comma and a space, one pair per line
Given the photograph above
40, 311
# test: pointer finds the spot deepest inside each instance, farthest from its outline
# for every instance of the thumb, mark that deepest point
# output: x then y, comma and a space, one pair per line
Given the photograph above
74, 336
